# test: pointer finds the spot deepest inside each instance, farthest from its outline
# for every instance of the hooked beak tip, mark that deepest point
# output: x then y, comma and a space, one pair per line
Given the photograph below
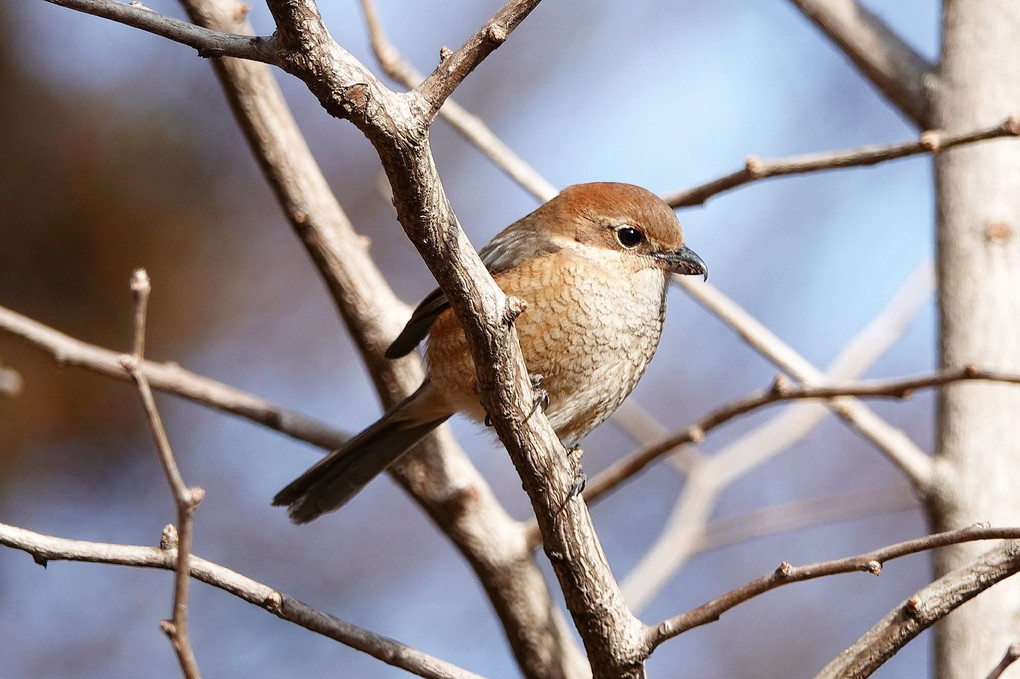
685, 262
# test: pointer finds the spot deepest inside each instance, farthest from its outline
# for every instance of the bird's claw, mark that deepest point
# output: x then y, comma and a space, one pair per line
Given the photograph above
580, 479
541, 395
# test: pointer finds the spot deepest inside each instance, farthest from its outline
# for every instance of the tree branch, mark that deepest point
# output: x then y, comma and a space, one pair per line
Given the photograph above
869, 562
397, 126
208, 43
45, 548
470, 126
439, 476
783, 391
456, 66
892, 66
921, 610
755, 169
186, 499
173, 379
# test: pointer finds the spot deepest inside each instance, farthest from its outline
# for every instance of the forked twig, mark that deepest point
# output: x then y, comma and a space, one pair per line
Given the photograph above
186, 499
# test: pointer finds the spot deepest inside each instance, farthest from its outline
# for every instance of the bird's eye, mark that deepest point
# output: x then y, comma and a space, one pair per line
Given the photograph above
629, 237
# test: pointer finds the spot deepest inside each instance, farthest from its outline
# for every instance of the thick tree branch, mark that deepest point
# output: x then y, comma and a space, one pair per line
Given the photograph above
46, 548
869, 562
438, 476
892, 66
208, 43
921, 610
397, 126
756, 168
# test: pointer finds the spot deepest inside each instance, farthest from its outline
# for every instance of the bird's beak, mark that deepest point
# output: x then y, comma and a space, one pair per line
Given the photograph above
683, 261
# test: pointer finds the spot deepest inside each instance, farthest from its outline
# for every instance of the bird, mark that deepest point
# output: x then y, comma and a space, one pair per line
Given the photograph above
592, 266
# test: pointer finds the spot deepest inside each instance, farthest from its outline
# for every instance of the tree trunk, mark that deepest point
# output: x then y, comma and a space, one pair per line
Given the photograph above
978, 212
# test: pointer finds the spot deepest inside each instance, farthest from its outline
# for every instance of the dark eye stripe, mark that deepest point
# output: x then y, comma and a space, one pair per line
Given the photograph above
629, 237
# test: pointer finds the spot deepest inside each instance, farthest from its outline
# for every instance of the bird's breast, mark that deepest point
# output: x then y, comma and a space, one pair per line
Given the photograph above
590, 328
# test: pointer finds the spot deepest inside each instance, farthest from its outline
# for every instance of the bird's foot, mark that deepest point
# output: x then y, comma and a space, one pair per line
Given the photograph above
541, 395
580, 479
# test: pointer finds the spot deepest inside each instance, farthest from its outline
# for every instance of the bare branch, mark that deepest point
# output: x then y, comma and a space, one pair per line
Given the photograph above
45, 548
1010, 657
892, 442
173, 379
186, 499
921, 610
892, 66
456, 66
470, 126
208, 43
140, 288
783, 391
439, 476
397, 126
869, 562
755, 169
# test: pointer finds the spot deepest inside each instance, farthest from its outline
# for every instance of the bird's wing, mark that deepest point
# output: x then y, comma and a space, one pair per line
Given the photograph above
504, 252
418, 326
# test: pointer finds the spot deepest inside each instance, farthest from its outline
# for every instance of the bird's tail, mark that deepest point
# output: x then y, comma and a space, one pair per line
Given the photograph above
331, 482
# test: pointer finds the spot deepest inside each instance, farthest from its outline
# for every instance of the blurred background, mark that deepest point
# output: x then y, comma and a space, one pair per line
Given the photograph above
118, 151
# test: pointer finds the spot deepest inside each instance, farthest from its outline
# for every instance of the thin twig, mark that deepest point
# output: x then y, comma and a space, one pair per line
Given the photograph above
1010, 657
45, 548
186, 499
892, 66
869, 562
140, 288
470, 126
208, 43
783, 391
457, 65
756, 168
173, 379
